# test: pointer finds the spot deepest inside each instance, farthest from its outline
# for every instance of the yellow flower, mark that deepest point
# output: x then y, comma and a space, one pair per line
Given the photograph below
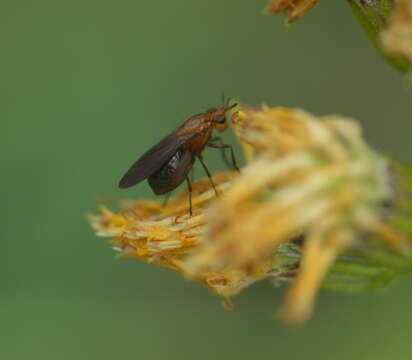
296, 8
311, 185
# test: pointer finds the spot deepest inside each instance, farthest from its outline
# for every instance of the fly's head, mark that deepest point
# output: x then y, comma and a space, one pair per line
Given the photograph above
218, 117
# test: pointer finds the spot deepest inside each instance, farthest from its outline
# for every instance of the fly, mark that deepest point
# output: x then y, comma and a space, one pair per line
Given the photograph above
167, 164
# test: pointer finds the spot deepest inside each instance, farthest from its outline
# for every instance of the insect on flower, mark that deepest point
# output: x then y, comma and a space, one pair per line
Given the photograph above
167, 164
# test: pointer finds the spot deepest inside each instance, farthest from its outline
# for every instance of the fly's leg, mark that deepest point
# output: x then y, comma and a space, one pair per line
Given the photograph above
212, 144
189, 186
192, 175
208, 174
166, 200
222, 146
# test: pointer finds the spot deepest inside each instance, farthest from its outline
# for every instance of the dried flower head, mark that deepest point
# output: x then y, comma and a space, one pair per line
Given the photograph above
311, 190
295, 8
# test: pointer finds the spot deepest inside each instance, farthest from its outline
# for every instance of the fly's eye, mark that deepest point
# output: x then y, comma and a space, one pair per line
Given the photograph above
220, 118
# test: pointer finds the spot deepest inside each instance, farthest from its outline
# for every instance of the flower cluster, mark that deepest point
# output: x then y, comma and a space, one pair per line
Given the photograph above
311, 187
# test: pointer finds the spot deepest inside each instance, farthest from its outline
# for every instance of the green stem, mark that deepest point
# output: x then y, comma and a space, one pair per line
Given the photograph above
373, 15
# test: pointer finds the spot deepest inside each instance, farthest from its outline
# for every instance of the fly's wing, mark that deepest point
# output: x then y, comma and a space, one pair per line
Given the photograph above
152, 160
172, 174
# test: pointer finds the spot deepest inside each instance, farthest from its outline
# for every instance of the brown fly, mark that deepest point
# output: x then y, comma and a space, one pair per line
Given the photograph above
167, 164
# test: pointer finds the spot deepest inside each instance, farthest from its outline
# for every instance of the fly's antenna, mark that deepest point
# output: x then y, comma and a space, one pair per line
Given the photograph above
223, 99
226, 101
229, 107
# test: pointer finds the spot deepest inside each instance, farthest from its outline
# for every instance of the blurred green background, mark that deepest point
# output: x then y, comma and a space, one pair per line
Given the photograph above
86, 87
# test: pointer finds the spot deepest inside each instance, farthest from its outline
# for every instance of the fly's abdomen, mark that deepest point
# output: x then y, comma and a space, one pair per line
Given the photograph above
173, 173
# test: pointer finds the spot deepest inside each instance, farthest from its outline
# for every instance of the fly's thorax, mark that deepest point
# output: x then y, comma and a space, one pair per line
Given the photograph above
198, 142
196, 131
195, 125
